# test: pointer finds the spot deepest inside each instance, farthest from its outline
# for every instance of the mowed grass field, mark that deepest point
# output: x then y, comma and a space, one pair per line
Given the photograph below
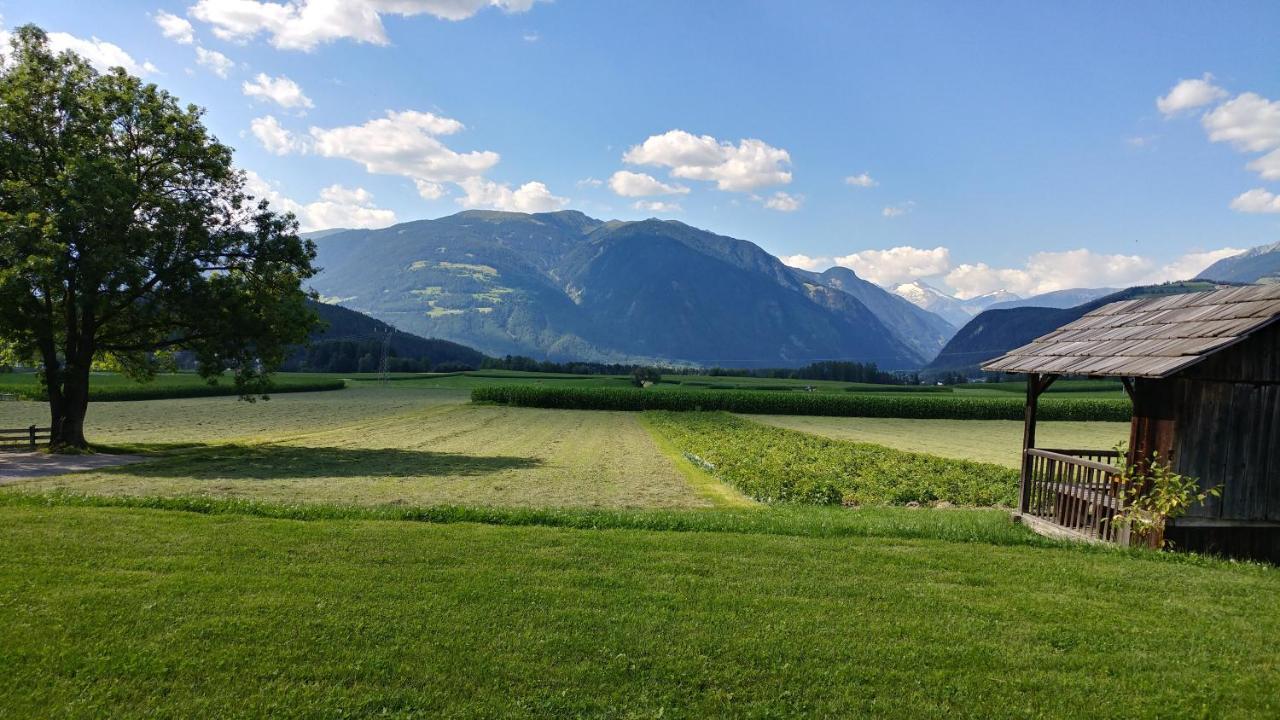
394, 445
397, 552
129, 613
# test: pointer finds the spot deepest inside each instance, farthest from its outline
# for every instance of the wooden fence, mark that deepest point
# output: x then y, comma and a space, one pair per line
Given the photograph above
1077, 491
27, 438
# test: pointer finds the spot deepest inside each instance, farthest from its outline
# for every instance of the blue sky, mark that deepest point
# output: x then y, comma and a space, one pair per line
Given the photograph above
1007, 145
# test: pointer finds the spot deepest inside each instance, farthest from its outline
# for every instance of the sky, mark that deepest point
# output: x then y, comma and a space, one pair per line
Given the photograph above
978, 146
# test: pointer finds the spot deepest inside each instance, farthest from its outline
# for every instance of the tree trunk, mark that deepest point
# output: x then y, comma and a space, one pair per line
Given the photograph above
69, 410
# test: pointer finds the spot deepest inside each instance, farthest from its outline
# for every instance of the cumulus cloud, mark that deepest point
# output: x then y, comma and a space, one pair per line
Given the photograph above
404, 143
1188, 94
897, 265
864, 180
893, 211
305, 24
217, 63
530, 197
1257, 200
783, 202
743, 167
279, 90
1248, 121
1192, 264
804, 262
99, 53
338, 206
274, 137
632, 184
175, 28
657, 206
1268, 166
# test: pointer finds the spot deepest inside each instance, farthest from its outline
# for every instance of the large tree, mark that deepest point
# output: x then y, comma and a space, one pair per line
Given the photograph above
126, 234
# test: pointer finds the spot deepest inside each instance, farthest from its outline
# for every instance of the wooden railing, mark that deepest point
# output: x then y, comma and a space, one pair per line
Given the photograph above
1075, 490
24, 438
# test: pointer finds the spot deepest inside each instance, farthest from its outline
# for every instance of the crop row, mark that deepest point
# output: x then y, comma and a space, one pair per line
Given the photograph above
889, 405
773, 464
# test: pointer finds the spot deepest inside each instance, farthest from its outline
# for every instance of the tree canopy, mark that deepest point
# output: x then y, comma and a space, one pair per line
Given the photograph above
126, 233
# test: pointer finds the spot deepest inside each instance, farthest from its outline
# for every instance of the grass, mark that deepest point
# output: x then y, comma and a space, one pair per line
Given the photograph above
418, 449
130, 612
772, 464
987, 441
112, 387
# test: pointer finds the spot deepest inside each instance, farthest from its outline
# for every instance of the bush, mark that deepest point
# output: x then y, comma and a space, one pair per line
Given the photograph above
904, 405
776, 465
169, 390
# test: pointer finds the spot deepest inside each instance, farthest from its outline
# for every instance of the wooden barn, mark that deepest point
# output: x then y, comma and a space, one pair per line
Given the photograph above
1203, 370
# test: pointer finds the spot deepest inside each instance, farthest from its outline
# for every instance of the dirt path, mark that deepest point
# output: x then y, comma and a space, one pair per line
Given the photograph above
26, 465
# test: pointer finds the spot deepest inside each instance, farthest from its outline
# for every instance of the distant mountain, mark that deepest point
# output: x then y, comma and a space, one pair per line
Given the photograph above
1056, 299
925, 331
349, 341
564, 286
995, 332
953, 310
1258, 265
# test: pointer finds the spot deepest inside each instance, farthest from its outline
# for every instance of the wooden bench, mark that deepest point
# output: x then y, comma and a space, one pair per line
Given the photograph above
27, 438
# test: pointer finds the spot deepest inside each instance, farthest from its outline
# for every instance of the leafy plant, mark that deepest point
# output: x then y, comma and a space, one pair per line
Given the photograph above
1153, 493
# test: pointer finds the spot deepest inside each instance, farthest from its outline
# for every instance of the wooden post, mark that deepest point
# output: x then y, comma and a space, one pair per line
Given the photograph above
32, 432
1035, 386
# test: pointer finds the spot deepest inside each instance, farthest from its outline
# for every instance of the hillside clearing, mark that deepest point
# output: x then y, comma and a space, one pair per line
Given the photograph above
142, 612
990, 441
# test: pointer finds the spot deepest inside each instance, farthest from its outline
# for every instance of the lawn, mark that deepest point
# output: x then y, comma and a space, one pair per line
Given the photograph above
988, 441
127, 612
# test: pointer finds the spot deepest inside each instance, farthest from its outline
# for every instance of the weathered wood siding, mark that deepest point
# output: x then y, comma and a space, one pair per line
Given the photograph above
1219, 422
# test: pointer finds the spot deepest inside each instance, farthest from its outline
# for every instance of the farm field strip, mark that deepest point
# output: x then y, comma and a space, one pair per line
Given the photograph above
126, 612
989, 441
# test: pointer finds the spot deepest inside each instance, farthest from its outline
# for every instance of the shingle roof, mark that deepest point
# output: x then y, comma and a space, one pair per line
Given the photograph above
1147, 337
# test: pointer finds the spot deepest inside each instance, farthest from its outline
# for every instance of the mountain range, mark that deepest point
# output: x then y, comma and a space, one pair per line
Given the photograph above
565, 286
1258, 265
996, 331
952, 309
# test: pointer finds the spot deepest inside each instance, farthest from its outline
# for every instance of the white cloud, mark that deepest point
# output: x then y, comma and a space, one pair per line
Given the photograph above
657, 206
1268, 166
100, 53
531, 37
217, 63
893, 211
1190, 93
804, 262
897, 265
1257, 200
530, 197
1050, 271
404, 143
630, 184
274, 137
175, 28
429, 190
746, 166
338, 206
1248, 121
783, 202
589, 182
864, 180
304, 24
280, 90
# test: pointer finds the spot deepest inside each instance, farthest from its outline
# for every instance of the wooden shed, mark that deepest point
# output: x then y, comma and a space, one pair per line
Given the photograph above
1203, 370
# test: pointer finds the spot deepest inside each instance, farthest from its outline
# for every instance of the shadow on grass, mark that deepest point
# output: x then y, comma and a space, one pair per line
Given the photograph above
271, 462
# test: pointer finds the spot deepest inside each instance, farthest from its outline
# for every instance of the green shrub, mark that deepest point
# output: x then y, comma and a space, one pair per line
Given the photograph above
904, 405
773, 465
